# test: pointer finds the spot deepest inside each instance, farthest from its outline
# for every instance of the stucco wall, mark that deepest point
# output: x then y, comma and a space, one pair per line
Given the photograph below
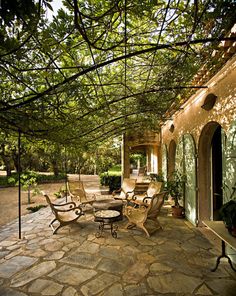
193, 118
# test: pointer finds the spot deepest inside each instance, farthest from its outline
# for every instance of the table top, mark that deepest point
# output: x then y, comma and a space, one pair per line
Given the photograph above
106, 214
218, 227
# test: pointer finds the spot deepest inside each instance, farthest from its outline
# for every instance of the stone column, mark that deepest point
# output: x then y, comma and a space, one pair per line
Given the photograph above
148, 159
159, 159
155, 159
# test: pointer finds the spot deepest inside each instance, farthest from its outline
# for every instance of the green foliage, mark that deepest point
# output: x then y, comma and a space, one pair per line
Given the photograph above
175, 186
228, 214
156, 177
8, 181
28, 179
40, 178
135, 157
115, 169
113, 181
44, 178
61, 193
20, 9
35, 208
89, 75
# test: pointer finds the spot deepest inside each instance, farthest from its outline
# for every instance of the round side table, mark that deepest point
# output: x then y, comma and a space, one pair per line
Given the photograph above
109, 204
106, 219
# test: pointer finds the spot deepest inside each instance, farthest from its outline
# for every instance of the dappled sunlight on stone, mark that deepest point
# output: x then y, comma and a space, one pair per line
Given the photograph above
75, 263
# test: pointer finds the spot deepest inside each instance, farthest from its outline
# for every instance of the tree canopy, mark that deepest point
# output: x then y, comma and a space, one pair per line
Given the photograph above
103, 67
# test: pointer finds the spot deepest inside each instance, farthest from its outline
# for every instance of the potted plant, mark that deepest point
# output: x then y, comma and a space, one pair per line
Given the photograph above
175, 186
228, 215
156, 177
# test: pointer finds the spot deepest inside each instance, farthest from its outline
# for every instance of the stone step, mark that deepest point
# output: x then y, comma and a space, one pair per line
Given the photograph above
141, 187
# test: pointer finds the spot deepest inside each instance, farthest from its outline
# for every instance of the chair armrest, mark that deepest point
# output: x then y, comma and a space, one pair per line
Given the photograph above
127, 194
129, 210
70, 204
114, 192
146, 199
75, 209
131, 203
135, 197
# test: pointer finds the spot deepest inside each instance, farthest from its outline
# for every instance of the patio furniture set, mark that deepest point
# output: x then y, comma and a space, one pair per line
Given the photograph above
140, 210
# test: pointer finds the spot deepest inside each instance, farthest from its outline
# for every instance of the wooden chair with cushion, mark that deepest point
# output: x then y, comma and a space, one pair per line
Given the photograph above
145, 215
78, 193
126, 192
65, 213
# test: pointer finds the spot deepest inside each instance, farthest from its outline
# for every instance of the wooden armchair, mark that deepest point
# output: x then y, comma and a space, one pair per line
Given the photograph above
145, 215
126, 192
78, 193
65, 213
153, 188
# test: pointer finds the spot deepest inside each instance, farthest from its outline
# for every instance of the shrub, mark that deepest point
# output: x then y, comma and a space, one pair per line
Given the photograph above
115, 168
61, 193
40, 178
228, 215
156, 177
113, 181
36, 208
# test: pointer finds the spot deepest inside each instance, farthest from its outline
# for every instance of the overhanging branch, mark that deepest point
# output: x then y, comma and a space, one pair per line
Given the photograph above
120, 58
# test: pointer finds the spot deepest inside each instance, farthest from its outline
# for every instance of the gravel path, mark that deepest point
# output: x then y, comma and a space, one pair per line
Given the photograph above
9, 197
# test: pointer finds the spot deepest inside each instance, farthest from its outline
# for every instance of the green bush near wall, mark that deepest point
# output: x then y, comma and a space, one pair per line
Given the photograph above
113, 181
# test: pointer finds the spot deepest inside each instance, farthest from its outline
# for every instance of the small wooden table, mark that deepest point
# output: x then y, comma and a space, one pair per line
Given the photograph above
109, 204
106, 218
219, 229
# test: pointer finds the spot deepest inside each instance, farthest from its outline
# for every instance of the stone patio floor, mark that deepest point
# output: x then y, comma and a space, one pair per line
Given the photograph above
173, 261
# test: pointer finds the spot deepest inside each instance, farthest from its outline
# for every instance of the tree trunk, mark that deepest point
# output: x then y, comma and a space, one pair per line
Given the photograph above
8, 168
55, 168
7, 163
6, 158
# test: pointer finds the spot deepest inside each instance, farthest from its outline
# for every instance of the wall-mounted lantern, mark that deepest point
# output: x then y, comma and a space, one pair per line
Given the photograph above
172, 128
209, 102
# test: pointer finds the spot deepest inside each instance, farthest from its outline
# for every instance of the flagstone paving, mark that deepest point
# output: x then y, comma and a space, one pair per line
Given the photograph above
73, 262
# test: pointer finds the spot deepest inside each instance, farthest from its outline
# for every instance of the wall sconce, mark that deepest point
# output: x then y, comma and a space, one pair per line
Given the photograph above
209, 102
172, 128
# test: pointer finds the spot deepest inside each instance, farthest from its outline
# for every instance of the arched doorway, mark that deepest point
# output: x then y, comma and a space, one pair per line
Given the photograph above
210, 172
217, 176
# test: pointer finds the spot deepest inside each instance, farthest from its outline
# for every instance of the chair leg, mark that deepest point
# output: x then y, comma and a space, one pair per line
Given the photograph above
130, 225
56, 229
52, 221
158, 224
144, 229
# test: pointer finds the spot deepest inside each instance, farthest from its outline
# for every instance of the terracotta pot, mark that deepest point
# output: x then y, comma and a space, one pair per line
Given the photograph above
178, 212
